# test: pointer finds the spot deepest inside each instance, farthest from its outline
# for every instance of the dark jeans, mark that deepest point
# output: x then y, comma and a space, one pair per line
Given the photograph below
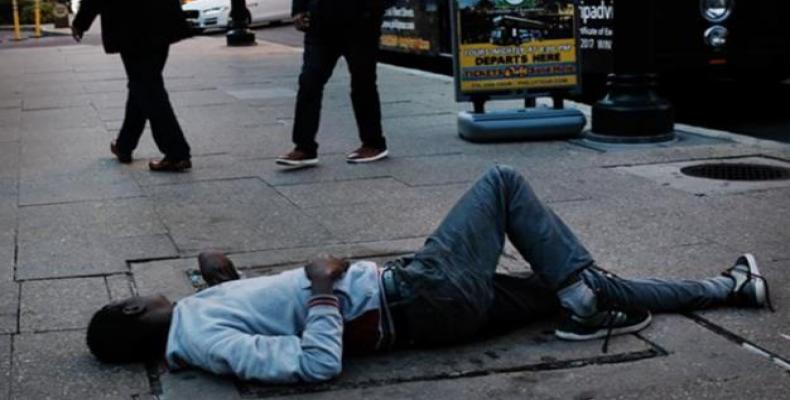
359, 46
148, 100
451, 292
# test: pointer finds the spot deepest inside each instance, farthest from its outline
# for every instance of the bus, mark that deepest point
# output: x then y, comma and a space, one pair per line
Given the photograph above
748, 40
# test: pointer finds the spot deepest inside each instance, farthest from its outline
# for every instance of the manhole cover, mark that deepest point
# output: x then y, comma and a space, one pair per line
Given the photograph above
737, 172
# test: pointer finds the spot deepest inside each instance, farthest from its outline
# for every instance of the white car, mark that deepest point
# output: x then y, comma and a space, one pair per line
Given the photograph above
215, 14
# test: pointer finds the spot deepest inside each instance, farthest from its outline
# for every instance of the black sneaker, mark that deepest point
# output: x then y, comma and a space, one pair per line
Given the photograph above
298, 158
751, 288
602, 324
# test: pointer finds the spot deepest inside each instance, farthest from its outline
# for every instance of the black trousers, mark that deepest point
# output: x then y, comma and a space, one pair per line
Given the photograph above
359, 46
148, 100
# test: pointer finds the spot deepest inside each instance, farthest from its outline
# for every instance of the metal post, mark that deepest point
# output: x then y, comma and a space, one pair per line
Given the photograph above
17, 29
37, 17
239, 34
530, 102
632, 112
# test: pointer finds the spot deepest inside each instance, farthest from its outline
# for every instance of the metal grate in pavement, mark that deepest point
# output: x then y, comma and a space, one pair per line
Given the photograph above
737, 172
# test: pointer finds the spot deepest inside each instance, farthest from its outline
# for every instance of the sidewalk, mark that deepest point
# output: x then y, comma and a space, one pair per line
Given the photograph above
77, 229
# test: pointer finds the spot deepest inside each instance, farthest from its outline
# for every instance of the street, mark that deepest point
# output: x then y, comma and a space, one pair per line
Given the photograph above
78, 229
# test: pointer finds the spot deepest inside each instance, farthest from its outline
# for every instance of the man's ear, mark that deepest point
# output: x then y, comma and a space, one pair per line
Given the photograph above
133, 309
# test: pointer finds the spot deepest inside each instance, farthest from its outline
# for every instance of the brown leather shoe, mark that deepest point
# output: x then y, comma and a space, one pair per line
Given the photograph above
298, 158
165, 165
123, 158
366, 154
216, 268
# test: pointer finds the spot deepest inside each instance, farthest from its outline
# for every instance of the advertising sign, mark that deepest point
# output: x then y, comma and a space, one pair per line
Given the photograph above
508, 48
596, 34
412, 26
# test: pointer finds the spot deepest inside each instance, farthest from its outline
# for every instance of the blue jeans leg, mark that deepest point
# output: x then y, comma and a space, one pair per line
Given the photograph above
452, 275
657, 295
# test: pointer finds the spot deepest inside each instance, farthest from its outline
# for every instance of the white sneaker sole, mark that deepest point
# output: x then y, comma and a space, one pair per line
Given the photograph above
292, 163
759, 285
602, 332
377, 157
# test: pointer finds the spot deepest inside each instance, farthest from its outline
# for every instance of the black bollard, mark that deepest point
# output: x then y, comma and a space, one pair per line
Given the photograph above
239, 34
632, 111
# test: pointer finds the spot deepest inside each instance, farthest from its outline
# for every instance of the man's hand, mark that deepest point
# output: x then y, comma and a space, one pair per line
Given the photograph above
302, 21
323, 272
77, 33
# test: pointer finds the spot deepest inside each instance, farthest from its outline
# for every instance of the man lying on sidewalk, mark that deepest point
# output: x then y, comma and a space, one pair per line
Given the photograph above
297, 325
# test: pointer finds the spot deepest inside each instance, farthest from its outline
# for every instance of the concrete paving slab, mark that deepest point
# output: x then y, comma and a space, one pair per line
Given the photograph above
670, 174
192, 384
8, 191
60, 303
167, 277
200, 98
42, 89
223, 117
5, 365
692, 261
119, 286
57, 365
332, 168
685, 373
9, 165
204, 168
101, 180
233, 215
607, 185
80, 255
346, 192
776, 197
386, 220
107, 100
743, 224
297, 256
10, 130
52, 101
263, 93
78, 117
88, 238
531, 348
601, 226
115, 86
6, 260
762, 328
9, 307
9, 102
118, 218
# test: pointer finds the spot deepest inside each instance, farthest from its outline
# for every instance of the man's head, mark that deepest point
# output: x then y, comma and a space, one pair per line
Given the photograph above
131, 330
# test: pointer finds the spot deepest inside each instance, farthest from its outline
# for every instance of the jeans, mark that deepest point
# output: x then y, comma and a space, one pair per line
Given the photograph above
452, 293
148, 100
359, 46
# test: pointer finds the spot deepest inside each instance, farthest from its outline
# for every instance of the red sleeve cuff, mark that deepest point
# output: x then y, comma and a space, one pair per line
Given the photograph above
324, 300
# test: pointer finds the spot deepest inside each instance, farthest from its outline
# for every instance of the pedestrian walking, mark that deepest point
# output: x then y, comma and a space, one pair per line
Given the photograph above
351, 29
142, 32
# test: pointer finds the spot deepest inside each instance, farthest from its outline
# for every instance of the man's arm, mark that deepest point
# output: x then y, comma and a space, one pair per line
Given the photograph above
316, 356
88, 11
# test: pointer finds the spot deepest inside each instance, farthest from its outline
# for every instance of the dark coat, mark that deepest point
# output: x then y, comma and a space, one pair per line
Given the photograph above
328, 16
135, 25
